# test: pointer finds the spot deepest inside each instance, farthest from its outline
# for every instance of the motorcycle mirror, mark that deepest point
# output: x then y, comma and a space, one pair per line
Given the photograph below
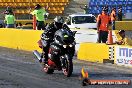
74, 32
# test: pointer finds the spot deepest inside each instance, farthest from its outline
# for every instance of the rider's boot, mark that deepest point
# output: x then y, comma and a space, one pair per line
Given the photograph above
41, 58
45, 60
45, 55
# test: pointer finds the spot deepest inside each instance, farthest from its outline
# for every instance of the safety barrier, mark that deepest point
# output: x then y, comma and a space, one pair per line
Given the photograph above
23, 22
20, 39
125, 25
93, 52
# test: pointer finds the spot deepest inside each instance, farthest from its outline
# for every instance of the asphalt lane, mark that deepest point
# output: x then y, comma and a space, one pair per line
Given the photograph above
20, 69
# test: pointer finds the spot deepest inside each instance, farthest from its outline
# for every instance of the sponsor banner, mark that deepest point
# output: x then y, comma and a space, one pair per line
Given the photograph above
123, 55
110, 82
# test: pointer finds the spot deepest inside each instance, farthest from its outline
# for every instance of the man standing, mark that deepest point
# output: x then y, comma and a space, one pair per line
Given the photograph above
119, 14
103, 22
113, 18
10, 19
39, 13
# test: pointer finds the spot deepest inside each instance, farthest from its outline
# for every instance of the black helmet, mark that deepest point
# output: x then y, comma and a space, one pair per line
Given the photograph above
64, 35
59, 19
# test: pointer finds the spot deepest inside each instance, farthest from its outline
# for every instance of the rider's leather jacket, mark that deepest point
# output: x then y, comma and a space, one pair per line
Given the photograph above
48, 34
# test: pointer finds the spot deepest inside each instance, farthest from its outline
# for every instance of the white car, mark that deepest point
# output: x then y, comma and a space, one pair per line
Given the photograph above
87, 21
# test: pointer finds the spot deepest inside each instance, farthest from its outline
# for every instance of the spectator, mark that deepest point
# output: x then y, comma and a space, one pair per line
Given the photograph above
113, 18
39, 12
123, 40
85, 8
119, 14
10, 19
103, 22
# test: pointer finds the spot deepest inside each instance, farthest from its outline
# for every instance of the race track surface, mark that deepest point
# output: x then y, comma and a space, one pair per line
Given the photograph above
20, 69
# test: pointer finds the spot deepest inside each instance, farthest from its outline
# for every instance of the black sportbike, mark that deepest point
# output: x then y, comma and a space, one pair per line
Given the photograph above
61, 52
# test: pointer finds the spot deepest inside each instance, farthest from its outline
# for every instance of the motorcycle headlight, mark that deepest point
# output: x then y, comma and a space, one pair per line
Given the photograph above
46, 38
64, 46
70, 45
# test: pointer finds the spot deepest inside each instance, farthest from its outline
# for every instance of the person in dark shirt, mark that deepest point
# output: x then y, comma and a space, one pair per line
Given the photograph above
113, 18
119, 14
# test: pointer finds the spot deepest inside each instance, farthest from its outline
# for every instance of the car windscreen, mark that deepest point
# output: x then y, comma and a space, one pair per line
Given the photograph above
83, 19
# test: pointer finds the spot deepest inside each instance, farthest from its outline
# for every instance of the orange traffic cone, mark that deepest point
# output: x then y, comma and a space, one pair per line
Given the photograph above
110, 38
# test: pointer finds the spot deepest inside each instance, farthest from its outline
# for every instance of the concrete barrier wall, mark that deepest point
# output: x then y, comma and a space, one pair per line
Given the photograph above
118, 54
93, 52
24, 21
20, 39
125, 25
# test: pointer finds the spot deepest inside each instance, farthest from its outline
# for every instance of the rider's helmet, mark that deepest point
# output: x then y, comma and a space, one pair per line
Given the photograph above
59, 21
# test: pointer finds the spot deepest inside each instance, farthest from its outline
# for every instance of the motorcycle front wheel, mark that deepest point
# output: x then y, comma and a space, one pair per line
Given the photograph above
48, 70
68, 66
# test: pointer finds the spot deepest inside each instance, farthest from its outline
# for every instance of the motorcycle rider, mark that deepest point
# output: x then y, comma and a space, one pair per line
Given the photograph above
48, 36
